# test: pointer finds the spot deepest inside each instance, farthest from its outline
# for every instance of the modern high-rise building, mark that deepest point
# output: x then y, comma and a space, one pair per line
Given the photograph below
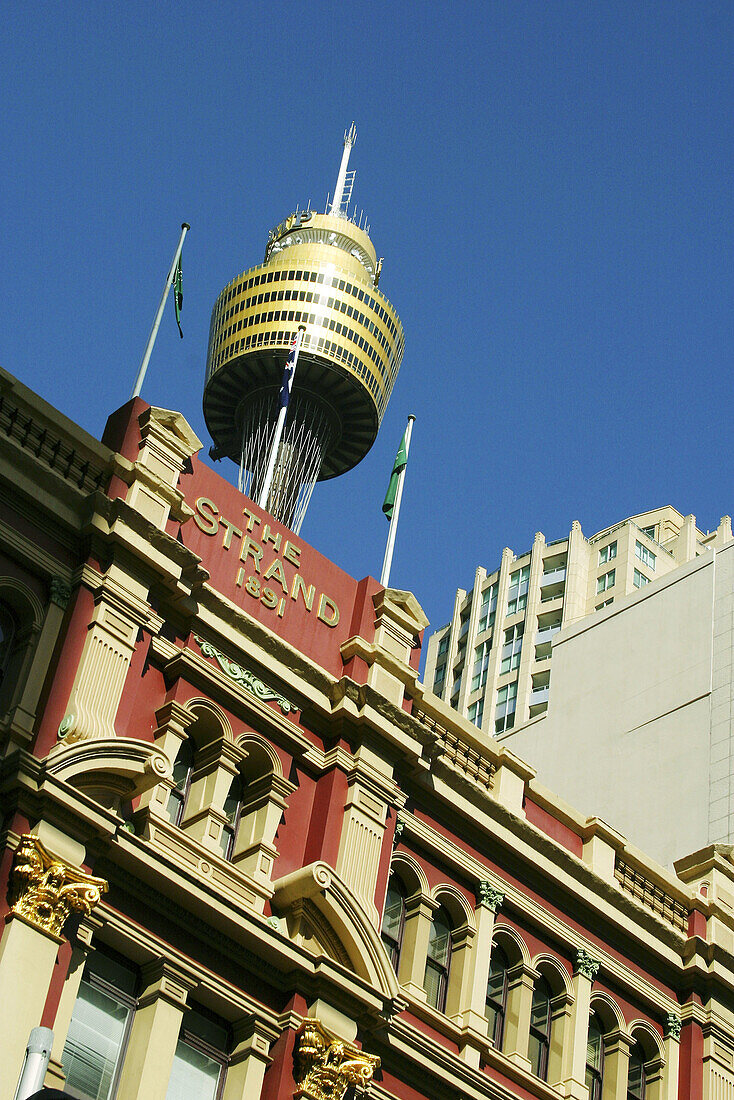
492, 663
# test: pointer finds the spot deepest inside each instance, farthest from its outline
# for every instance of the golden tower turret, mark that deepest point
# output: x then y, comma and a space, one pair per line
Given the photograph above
320, 271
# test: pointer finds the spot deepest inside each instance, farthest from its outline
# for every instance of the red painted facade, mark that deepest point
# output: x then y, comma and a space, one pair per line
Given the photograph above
292, 613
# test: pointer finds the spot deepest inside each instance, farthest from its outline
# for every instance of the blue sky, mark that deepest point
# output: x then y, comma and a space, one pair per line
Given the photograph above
550, 184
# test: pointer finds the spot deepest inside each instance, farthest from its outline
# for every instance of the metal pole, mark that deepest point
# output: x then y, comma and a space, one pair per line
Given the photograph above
350, 136
37, 1056
387, 563
154, 331
265, 491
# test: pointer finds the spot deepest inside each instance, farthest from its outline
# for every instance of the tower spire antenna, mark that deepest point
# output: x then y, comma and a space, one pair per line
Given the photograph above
350, 136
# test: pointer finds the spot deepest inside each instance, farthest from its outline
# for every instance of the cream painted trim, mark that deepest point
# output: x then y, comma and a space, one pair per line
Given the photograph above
440, 846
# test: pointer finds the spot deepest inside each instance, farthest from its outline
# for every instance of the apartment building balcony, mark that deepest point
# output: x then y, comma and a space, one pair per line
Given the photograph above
552, 582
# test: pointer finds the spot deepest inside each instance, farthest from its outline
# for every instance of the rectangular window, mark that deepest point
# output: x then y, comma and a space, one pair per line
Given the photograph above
605, 581
199, 1063
476, 712
639, 579
517, 595
504, 715
512, 647
438, 678
607, 553
481, 664
100, 1024
605, 603
488, 608
646, 556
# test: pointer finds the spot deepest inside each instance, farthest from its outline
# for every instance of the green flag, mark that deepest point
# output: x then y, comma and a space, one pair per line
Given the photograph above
401, 461
178, 295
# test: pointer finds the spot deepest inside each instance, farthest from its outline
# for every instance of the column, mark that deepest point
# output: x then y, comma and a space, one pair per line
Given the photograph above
215, 768
521, 981
419, 912
617, 1048
249, 1059
173, 721
673, 1026
574, 1056
489, 901
121, 609
155, 1032
371, 790
44, 891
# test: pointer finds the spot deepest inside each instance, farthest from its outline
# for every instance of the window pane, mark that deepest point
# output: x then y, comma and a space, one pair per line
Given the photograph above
432, 983
393, 913
194, 1075
94, 1043
594, 1046
440, 939
536, 1051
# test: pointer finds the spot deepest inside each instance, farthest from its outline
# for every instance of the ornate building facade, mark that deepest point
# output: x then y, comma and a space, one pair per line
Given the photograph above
247, 855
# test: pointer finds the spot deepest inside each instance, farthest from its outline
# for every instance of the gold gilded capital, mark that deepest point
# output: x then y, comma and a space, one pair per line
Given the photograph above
46, 890
325, 1065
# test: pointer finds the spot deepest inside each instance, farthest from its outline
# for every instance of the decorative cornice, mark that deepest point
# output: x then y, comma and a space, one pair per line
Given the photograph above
489, 897
59, 593
45, 890
673, 1025
246, 679
585, 964
325, 1066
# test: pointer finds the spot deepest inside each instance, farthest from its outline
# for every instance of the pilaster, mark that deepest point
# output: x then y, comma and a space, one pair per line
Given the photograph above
574, 1055
155, 1032
371, 789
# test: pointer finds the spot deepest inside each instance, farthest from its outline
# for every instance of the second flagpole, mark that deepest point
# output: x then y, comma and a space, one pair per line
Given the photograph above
387, 563
156, 323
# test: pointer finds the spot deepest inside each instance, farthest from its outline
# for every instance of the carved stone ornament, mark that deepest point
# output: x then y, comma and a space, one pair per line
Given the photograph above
489, 897
586, 965
45, 890
673, 1025
326, 1066
59, 593
246, 679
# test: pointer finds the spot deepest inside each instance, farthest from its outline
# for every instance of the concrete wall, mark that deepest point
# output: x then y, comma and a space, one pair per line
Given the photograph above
633, 732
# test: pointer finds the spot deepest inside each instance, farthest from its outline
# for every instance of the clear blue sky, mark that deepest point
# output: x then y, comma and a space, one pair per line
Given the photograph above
550, 184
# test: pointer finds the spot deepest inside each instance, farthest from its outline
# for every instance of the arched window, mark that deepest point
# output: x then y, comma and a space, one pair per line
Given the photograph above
436, 978
393, 920
595, 1057
496, 1000
7, 634
636, 1073
540, 1029
232, 811
182, 779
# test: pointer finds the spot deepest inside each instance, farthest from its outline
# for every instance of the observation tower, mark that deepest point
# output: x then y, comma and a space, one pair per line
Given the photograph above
320, 274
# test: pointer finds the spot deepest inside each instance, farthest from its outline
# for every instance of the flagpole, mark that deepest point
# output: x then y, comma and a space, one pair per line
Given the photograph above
156, 324
387, 563
282, 413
